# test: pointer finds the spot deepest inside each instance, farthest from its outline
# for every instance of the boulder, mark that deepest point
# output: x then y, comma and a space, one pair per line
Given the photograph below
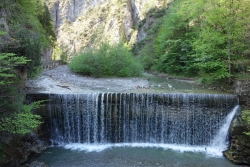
17, 149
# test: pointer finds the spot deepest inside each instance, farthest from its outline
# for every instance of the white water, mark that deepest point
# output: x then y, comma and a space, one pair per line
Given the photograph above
186, 119
219, 142
215, 149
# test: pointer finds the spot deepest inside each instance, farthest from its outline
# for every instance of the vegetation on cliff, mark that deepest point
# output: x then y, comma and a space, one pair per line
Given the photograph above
28, 31
208, 39
25, 31
82, 24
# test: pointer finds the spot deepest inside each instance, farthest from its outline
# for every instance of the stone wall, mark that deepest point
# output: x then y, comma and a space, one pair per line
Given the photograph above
239, 146
242, 89
239, 149
48, 65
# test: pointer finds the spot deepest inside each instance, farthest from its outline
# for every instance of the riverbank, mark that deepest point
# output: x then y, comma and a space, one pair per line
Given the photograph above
62, 80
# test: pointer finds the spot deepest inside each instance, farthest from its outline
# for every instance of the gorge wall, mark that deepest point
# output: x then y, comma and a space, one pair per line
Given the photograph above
83, 23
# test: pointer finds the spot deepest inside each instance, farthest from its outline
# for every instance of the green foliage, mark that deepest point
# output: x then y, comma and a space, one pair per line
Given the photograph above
46, 21
31, 49
144, 50
107, 60
246, 117
21, 122
173, 42
207, 39
220, 41
20, 49
15, 117
8, 63
30, 31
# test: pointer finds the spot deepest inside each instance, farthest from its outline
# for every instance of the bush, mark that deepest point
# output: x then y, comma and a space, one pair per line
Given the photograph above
15, 116
106, 60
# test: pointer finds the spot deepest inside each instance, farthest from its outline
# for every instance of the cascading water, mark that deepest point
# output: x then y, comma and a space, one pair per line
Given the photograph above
219, 142
183, 122
105, 118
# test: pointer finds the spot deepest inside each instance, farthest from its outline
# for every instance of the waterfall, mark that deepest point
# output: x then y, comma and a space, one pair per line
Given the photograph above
167, 118
219, 142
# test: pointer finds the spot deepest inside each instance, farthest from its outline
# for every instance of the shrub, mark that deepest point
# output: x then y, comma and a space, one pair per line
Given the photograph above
16, 117
106, 60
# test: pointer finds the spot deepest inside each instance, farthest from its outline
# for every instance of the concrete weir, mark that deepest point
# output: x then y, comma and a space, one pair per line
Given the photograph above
170, 118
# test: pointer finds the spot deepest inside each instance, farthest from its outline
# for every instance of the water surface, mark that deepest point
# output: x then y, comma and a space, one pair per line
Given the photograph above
128, 157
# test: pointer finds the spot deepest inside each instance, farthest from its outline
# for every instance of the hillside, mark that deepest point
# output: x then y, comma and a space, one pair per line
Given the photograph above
82, 24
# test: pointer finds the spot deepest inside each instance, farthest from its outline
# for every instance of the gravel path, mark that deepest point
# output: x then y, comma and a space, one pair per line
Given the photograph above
62, 80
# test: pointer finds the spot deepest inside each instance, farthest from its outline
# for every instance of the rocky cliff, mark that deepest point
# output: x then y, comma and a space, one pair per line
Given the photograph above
83, 23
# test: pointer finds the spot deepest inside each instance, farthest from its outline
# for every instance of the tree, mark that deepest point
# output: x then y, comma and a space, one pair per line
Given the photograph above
173, 42
21, 122
46, 21
219, 46
15, 116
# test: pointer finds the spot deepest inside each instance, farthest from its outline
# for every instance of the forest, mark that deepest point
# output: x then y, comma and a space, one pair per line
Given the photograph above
208, 40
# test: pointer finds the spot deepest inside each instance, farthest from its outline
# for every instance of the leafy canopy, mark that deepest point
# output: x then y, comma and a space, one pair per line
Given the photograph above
8, 63
220, 44
22, 122
207, 39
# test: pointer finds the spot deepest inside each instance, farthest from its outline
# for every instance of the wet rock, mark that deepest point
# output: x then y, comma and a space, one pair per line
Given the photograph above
248, 160
18, 148
247, 151
237, 127
239, 152
35, 164
240, 148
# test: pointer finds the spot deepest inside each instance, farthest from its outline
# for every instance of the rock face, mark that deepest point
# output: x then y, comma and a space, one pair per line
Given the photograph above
35, 164
239, 149
80, 24
242, 88
18, 148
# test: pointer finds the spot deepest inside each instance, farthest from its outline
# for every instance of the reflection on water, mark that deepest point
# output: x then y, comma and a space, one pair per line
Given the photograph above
128, 157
